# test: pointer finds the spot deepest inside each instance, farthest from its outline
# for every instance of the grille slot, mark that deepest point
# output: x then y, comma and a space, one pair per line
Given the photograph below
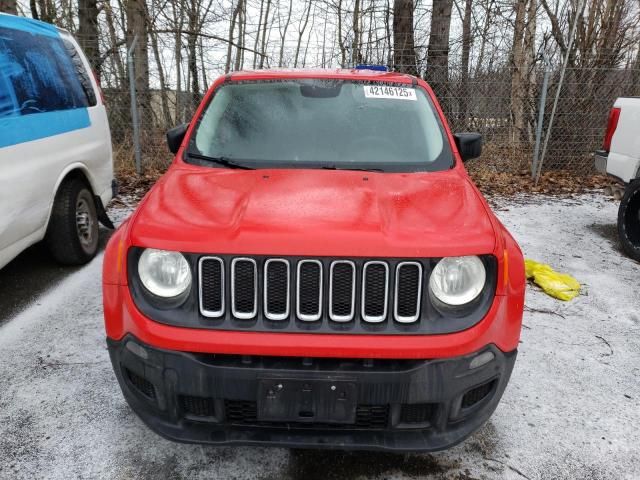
309, 290
211, 281
417, 412
375, 417
276, 289
368, 417
241, 411
408, 291
197, 406
342, 291
375, 291
244, 289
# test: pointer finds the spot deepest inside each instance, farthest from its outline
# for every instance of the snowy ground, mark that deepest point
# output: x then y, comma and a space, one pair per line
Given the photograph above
571, 410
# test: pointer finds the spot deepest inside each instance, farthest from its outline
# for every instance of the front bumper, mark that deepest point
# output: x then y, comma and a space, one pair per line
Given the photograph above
397, 405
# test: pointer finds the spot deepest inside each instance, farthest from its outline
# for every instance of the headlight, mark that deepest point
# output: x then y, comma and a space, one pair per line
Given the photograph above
457, 280
165, 274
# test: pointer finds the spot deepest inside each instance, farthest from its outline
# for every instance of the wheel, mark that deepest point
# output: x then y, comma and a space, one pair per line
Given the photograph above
629, 221
72, 234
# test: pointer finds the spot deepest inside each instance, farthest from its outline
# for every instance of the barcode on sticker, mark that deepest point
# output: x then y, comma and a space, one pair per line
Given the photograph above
386, 91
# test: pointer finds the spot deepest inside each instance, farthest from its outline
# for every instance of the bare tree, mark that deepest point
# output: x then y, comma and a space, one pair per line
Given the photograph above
438, 50
466, 50
404, 53
137, 27
283, 32
9, 6
356, 54
87, 34
303, 27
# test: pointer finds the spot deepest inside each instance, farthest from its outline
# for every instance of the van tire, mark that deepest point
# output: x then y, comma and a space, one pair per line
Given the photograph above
72, 234
629, 220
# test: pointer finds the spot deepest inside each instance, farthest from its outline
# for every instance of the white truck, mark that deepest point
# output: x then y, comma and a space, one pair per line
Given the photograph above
620, 159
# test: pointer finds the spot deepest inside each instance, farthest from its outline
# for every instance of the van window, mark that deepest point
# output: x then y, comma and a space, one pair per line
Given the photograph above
37, 75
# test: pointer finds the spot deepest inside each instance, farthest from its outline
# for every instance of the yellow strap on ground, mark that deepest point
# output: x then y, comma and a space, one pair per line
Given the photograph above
559, 285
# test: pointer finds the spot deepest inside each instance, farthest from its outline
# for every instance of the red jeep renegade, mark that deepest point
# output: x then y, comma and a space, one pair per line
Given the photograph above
315, 269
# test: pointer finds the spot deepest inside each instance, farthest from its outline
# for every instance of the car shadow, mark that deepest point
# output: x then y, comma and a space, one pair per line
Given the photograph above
31, 274
609, 232
340, 465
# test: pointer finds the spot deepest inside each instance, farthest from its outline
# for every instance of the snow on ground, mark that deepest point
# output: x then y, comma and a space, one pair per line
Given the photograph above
570, 411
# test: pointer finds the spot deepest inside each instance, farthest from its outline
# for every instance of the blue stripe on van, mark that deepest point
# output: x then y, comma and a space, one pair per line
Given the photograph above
28, 25
26, 128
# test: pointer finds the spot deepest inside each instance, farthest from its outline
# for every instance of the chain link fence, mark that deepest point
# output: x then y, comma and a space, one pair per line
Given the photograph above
483, 103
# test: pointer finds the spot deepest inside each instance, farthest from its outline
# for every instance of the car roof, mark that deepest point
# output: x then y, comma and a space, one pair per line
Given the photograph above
325, 73
29, 25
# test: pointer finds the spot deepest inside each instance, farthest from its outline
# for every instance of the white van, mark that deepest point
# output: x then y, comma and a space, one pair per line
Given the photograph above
56, 167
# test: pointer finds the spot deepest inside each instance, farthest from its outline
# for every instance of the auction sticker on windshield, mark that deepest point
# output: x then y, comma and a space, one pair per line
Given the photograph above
386, 91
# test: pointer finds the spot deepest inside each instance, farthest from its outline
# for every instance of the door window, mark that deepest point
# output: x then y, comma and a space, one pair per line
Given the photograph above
37, 75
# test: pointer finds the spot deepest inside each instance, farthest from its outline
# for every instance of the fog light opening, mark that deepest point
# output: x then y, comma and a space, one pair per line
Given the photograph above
482, 359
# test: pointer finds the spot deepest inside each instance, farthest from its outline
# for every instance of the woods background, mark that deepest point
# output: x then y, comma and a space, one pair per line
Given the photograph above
485, 59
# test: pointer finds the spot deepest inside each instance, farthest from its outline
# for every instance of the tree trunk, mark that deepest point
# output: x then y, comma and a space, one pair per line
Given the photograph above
242, 20
283, 34
192, 49
9, 6
343, 49
257, 39
438, 50
404, 53
301, 33
356, 54
137, 27
87, 34
178, 18
232, 27
517, 77
466, 48
263, 46
115, 50
164, 100
529, 60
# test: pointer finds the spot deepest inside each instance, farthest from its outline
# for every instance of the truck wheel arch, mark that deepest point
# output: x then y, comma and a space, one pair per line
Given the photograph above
75, 170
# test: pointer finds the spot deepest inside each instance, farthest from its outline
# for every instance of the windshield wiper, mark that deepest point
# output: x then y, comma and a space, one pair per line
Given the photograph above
224, 161
356, 169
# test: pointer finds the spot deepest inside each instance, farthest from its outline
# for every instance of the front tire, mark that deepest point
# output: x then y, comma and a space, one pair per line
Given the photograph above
72, 234
629, 221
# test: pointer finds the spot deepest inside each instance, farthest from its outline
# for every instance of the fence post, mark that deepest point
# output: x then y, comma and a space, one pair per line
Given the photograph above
541, 107
572, 35
134, 105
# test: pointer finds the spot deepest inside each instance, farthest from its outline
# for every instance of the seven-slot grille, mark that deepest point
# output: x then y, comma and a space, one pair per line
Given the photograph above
311, 290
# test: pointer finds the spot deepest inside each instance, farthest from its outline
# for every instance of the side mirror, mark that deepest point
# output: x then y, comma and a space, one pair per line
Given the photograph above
469, 145
175, 137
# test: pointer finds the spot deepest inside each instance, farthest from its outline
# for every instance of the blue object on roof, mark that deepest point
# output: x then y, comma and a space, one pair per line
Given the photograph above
377, 68
28, 25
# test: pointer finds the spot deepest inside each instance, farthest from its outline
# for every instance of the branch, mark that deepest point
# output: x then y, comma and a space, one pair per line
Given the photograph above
111, 50
555, 27
213, 37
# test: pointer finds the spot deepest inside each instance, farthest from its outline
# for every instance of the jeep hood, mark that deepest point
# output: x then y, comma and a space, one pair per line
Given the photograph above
314, 212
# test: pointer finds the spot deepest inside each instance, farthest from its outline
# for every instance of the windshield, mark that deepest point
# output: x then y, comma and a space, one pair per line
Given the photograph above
321, 124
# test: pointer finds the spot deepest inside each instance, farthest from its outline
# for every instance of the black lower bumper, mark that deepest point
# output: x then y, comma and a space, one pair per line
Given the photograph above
398, 405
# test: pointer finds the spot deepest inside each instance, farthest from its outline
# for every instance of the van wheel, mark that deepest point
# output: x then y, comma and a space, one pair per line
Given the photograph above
72, 235
629, 221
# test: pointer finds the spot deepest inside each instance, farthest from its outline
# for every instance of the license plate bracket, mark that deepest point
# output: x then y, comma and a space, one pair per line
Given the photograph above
307, 401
